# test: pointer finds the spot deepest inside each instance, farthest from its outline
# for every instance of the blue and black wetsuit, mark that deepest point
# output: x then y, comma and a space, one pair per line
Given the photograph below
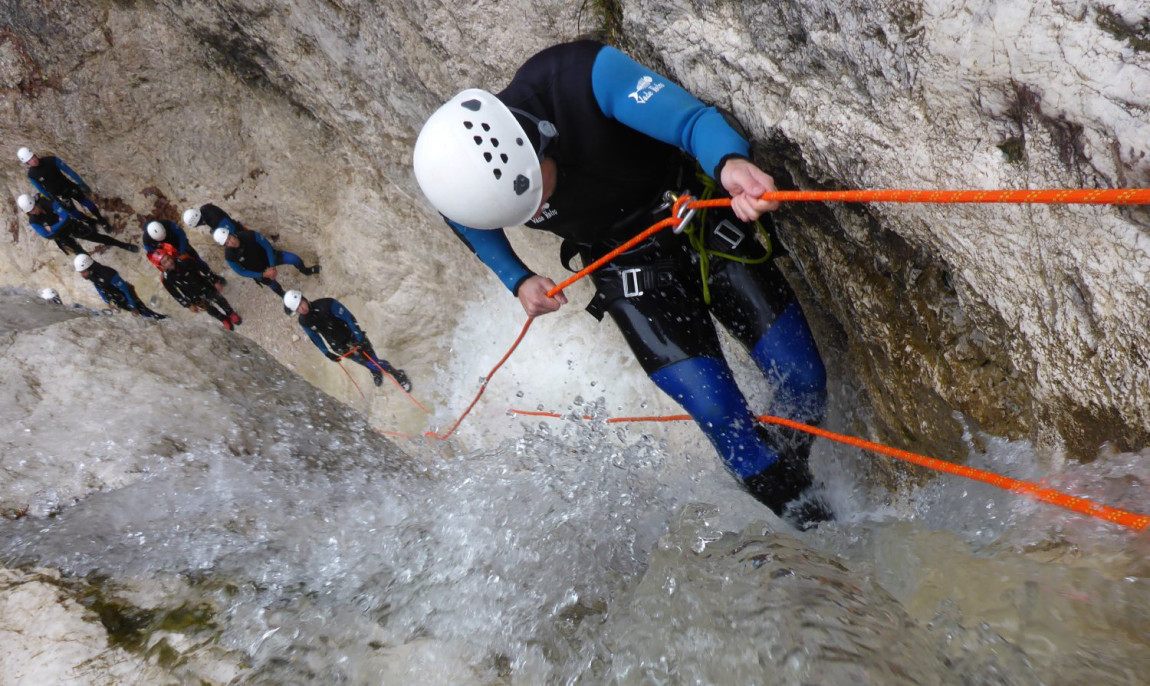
255, 255
57, 181
334, 330
178, 239
117, 292
54, 220
623, 130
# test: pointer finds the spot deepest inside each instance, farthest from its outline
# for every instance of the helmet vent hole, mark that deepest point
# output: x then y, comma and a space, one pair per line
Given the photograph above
498, 174
472, 104
478, 140
519, 142
487, 156
495, 142
503, 157
468, 125
486, 126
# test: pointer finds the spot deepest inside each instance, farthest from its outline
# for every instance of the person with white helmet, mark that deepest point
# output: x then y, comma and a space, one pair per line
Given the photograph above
51, 296
113, 289
161, 232
589, 145
250, 254
53, 220
187, 280
56, 181
335, 331
210, 216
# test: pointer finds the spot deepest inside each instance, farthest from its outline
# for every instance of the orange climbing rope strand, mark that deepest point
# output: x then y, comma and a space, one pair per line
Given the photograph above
1050, 196
1031, 490
486, 380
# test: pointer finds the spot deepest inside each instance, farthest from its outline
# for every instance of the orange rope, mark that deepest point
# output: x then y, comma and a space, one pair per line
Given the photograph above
353, 383
1051, 196
486, 380
380, 368
1031, 490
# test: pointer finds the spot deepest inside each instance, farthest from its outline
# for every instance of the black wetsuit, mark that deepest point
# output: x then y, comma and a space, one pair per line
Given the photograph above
56, 180
255, 255
334, 330
117, 292
62, 225
191, 283
620, 130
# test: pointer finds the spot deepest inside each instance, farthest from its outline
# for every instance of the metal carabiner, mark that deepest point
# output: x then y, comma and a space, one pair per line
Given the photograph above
685, 217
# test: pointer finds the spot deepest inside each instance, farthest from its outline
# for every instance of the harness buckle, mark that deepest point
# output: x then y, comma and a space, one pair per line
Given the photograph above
631, 285
729, 234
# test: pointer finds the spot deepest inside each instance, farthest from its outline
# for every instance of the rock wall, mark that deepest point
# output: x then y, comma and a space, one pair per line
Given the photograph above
1024, 321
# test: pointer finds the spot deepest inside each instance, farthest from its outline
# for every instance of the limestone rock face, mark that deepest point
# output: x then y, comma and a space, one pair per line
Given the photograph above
298, 117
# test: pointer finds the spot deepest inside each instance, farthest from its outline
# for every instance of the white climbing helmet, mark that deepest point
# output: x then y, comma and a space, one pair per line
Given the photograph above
476, 164
292, 300
24, 155
49, 294
220, 235
82, 262
25, 202
156, 231
191, 217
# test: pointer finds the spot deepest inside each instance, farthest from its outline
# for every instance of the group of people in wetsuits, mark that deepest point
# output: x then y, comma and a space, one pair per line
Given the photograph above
53, 213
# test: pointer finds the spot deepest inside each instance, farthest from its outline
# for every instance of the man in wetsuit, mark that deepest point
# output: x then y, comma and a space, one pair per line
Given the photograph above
161, 232
56, 181
113, 289
336, 333
191, 283
249, 254
52, 219
584, 142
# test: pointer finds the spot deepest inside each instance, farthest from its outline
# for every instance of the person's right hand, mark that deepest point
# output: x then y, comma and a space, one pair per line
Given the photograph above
193, 308
533, 296
270, 273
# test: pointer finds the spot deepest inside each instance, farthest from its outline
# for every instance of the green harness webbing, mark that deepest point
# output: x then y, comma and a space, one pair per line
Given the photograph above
698, 240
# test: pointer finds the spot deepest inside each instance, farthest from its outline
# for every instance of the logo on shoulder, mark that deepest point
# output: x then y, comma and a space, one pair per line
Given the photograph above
646, 89
544, 214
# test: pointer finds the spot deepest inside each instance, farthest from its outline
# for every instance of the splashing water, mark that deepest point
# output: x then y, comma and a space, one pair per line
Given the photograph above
228, 523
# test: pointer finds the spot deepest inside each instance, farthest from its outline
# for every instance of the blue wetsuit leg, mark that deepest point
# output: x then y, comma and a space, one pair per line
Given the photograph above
789, 359
706, 389
285, 257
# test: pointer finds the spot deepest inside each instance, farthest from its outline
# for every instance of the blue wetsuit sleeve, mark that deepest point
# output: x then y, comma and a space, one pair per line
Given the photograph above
41, 229
318, 340
40, 188
495, 251
342, 313
663, 110
122, 286
267, 248
67, 171
103, 295
181, 238
237, 268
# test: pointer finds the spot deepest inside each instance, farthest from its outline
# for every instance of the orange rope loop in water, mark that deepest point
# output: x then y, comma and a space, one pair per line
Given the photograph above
1031, 490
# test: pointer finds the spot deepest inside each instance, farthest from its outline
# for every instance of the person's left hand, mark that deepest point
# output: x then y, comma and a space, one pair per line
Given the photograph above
746, 183
270, 273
